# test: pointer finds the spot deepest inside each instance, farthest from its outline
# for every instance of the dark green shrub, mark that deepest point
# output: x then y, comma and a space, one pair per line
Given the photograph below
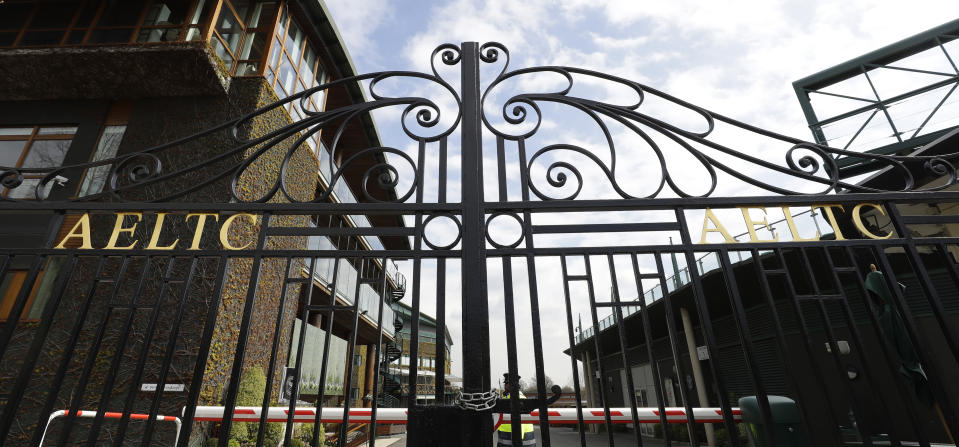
212, 442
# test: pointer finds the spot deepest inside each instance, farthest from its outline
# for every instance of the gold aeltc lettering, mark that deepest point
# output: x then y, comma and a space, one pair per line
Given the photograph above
827, 208
81, 229
155, 236
225, 229
200, 223
857, 220
792, 227
751, 224
719, 228
119, 228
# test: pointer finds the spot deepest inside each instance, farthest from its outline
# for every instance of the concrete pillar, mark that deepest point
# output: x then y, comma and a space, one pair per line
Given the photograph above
697, 371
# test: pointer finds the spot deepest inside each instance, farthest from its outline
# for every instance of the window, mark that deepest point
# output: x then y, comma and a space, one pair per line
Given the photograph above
88, 22
13, 282
34, 147
294, 66
240, 34
96, 177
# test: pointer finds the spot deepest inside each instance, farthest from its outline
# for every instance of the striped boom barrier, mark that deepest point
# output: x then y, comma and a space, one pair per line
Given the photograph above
112, 415
399, 415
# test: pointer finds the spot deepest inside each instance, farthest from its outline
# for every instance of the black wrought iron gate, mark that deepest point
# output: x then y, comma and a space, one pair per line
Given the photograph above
834, 314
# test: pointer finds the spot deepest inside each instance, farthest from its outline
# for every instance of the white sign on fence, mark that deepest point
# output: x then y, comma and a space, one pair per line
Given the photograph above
169, 387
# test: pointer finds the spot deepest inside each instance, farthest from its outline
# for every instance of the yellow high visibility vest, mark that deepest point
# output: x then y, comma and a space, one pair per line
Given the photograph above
508, 428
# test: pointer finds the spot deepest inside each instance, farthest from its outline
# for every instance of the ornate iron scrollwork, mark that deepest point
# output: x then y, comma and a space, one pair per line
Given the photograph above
522, 116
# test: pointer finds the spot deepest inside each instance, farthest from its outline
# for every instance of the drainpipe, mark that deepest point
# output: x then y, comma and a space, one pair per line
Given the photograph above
693, 358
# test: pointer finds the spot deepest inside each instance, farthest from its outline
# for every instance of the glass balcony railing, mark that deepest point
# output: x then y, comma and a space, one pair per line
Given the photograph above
367, 301
705, 264
342, 192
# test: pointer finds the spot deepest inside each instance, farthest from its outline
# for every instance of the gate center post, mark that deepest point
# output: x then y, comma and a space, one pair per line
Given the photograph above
476, 347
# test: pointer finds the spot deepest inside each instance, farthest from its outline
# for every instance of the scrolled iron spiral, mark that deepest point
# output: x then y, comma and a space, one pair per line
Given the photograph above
11, 178
379, 171
139, 167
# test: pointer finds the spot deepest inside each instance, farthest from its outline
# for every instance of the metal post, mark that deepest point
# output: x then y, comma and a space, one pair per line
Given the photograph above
697, 371
476, 349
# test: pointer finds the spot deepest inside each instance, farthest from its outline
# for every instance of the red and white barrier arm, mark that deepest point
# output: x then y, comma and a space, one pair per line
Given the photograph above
674, 415
279, 414
112, 415
399, 415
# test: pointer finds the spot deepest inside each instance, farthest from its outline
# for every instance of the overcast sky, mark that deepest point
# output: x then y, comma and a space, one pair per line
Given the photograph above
736, 58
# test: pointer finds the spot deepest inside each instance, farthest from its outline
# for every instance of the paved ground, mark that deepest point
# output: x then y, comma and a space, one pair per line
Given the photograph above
561, 437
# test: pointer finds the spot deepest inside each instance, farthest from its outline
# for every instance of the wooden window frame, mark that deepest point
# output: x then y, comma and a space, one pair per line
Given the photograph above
14, 291
28, 143
204, 26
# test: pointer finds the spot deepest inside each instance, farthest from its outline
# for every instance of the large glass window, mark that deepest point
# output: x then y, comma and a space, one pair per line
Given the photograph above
312, 364
96, 178
33, 147
87, 22
294, 67
241, 32
13, 282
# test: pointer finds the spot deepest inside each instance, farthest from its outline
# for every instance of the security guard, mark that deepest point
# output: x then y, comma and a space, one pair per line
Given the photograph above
505, 431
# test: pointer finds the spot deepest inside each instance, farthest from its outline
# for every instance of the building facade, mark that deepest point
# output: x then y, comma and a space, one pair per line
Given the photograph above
92, 80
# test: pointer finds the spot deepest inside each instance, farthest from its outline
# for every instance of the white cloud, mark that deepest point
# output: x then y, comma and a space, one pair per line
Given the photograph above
737, 58
358, 20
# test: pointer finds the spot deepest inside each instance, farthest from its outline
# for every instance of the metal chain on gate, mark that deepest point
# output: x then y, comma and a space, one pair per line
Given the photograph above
477, 401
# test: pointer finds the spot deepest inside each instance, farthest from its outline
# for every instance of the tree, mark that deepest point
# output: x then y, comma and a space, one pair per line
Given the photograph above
529, 387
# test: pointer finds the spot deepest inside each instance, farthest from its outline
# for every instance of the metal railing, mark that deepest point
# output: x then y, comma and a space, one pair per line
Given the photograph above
705, 264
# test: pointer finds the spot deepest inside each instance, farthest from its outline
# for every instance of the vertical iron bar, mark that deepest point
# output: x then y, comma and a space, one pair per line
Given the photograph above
886, 349
30, 360
206, 339
858, 349
527, 225
476, 361
440, 387
295, 394
648, 334
441, 198
705, 321
415, 437
69, 350
834, 346
352, 353
674, 340
935, 382
781, 341
168, 357
749, 351
931, 295
13, 318
144, 354
599, 355
234, 386
326, 352
807, 343
81, 387
118, 356
618, 312
376, 355
572, 356
271, 367
515, 418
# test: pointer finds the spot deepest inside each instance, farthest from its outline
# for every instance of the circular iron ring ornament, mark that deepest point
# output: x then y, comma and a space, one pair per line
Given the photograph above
516, 217
459, 231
